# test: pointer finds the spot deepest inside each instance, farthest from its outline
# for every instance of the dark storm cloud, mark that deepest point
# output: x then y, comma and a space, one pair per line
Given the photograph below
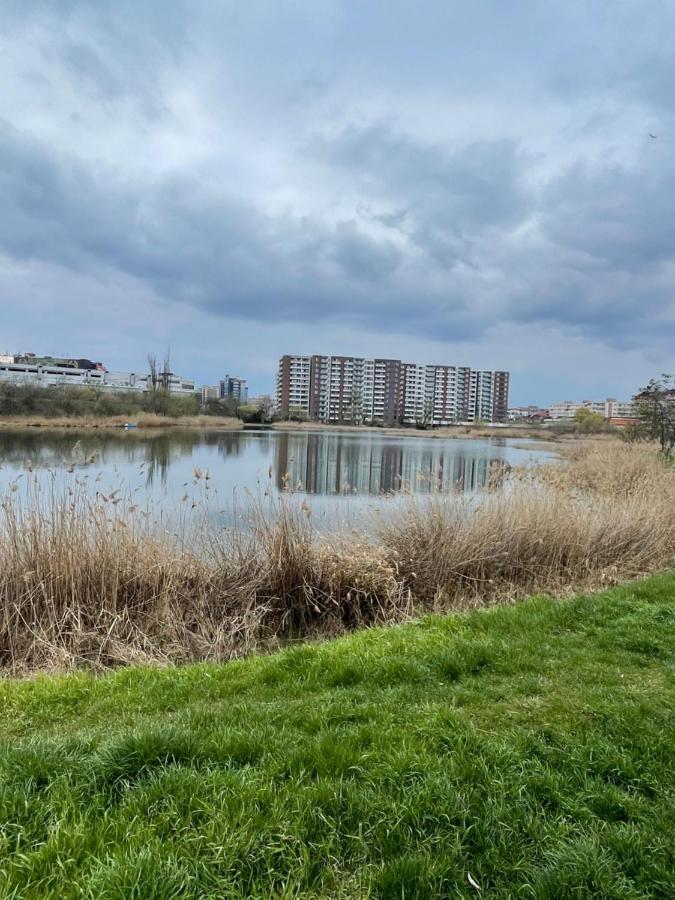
620, 216
470, 186
360, 256
217, 253
281, 163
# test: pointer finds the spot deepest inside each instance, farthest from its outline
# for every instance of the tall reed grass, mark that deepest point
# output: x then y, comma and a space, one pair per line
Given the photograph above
93, 582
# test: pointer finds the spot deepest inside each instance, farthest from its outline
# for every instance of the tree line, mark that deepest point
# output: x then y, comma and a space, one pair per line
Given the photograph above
68, 401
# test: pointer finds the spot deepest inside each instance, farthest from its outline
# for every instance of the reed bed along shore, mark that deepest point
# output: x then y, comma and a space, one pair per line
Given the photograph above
92, 582
141, 420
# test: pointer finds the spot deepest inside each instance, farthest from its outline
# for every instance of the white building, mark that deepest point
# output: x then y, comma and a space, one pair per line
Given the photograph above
608, 409
59, 376
518, 413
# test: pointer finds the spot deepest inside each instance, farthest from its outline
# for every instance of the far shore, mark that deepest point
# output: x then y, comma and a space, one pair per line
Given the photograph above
145, 420
463, 432
225, 423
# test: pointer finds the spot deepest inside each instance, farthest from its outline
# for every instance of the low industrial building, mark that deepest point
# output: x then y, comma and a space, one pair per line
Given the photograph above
528, 414
39, 371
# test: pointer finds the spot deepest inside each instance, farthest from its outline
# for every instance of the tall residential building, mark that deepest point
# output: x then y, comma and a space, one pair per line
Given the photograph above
293, 383
500, 407
355, 390
386, 391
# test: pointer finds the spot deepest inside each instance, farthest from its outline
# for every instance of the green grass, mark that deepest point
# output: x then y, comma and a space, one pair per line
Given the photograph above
532, 747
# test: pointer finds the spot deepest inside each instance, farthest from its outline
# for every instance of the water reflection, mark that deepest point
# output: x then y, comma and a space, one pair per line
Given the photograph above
344, 465
326, 464
156, 452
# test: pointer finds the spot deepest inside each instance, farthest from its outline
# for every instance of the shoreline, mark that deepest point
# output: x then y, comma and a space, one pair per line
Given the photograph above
457, 432
216, 423
141, 422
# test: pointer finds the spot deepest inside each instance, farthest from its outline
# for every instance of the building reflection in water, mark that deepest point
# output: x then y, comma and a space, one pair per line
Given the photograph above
347, 464
328, 463
155, 450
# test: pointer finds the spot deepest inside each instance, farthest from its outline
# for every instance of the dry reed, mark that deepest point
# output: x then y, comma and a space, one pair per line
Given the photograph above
92, 582
142, 420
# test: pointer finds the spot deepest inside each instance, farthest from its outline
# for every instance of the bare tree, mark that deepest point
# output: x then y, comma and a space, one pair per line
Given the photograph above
656, 410
152, 363
160, 379
166, 371
265, 407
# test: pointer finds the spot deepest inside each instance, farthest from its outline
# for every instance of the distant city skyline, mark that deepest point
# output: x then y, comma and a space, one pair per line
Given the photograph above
261, 387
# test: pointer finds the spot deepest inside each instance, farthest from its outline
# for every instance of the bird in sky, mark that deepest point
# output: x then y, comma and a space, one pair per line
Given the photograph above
652, 136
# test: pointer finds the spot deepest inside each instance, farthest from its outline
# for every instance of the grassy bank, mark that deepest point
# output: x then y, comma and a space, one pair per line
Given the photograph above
141, 420
94, 582
526, 749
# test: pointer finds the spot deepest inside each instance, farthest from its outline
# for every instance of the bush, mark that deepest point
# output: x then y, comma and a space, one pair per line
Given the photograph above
589, 422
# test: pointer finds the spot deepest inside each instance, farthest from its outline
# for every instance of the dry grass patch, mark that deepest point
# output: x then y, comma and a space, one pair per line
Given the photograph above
530, 539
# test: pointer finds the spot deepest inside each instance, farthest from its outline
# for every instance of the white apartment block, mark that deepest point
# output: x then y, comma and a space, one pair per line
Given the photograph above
415, 404
608, 409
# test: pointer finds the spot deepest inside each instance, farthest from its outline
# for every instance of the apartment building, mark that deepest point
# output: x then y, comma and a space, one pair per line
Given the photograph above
386, 391
293, 383
608, 409
500, 407
356, 390
413, 403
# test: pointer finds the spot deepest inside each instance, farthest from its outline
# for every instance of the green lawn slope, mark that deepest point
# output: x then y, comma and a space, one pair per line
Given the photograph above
525, 751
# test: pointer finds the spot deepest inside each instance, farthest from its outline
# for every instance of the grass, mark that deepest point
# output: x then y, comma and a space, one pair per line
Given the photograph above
529, 749
93, 582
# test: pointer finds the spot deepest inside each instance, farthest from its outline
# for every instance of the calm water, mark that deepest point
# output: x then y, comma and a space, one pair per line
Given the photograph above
334, 471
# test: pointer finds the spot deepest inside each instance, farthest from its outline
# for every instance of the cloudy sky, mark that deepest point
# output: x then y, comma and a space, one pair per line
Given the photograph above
452, 181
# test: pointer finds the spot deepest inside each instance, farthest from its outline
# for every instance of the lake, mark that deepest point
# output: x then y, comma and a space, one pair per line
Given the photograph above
336, 472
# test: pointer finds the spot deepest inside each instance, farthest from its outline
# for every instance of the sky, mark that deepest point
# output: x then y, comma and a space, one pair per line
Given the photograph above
469, 182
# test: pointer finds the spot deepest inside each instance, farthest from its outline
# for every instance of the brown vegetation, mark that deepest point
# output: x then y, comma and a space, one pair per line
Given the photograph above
93, 582
560, 432
141, 420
